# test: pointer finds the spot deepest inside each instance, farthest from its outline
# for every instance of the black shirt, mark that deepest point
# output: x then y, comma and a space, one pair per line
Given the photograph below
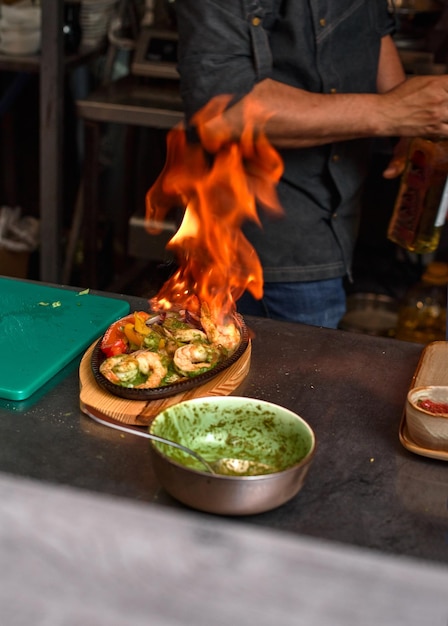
323, 46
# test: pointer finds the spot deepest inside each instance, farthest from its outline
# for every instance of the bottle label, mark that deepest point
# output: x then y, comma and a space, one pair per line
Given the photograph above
411, 197
421, 207
443, 207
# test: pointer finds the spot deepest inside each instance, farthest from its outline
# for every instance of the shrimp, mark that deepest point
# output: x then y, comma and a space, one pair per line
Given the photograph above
119, 369
189, 335
195, 358
141, 369
150, 364
226, 336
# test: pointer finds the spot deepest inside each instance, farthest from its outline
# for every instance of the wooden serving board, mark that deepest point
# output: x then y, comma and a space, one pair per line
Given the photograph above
432, 369
94, 400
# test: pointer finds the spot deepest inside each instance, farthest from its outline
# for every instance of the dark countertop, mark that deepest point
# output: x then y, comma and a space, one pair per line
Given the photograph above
363, 488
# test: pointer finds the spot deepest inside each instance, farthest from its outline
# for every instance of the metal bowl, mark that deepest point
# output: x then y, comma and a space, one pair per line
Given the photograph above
371, 314
235, 427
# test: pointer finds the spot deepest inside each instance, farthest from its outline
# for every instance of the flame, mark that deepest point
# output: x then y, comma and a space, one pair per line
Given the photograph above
218, 180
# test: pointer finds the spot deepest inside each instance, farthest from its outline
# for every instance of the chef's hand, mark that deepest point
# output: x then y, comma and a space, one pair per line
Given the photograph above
417, 107
215, 126
398, 161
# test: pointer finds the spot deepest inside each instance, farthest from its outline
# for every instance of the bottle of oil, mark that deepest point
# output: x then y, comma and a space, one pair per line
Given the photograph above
422, 314
421, 206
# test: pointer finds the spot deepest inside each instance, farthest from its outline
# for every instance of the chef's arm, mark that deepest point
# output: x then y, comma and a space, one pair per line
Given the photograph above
391, 74
402, 108
323, 118
390, 69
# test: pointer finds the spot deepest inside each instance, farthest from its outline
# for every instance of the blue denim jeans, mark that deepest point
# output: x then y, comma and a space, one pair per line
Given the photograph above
318, 303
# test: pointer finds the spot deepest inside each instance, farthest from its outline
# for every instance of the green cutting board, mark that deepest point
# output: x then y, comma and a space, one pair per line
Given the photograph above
43, 328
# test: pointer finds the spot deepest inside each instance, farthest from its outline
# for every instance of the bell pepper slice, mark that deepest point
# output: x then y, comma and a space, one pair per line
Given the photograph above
140, 326
116, 338
135, 339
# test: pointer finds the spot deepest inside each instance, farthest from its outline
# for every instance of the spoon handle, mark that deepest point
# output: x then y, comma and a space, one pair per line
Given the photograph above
147, 435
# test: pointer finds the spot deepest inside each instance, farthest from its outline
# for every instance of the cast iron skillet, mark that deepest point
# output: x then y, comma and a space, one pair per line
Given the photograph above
156, 393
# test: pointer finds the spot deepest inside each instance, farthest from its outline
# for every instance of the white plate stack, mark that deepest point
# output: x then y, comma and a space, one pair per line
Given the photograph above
95, 19
20, 28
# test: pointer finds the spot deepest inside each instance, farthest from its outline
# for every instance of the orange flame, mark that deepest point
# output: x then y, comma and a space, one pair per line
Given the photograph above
218, 181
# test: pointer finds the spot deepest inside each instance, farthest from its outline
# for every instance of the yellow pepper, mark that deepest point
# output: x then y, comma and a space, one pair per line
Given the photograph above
134, 338
140, 325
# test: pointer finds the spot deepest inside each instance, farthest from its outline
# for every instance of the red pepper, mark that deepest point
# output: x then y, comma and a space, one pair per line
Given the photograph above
114, 340
118, 347
433, 407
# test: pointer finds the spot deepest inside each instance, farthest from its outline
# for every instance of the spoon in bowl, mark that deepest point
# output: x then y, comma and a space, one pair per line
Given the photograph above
225, 466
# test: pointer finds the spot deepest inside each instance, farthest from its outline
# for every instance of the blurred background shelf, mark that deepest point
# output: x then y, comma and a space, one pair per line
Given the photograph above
50, 65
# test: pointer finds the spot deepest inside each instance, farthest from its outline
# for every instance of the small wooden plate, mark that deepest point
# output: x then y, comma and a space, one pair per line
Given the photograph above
432, 369
95, 400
